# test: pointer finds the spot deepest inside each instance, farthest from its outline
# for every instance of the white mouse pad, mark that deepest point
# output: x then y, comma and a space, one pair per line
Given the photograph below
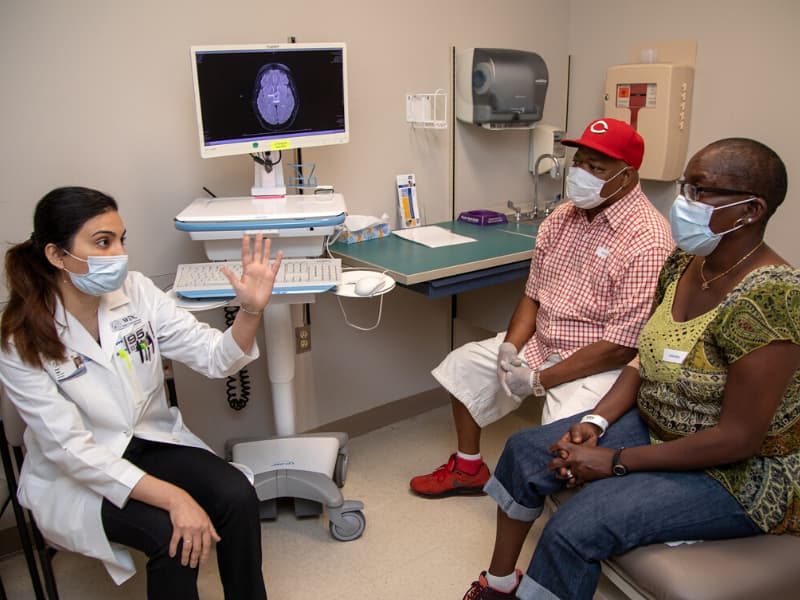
349, 279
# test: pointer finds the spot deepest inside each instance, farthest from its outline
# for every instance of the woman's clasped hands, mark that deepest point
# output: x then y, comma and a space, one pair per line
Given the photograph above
577, 457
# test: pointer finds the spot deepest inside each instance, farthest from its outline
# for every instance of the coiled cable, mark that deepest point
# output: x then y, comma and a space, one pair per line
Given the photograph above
237, 387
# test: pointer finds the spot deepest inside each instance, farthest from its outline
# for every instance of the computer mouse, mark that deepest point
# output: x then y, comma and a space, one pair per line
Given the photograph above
368, 285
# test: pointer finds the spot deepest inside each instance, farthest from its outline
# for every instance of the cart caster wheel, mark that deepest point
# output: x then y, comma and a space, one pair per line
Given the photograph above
340, 470
356, 523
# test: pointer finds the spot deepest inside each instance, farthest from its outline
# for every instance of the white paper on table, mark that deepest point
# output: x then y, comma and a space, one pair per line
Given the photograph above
432, 236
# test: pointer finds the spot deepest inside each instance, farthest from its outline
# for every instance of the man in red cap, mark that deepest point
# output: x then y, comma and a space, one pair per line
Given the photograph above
589, 293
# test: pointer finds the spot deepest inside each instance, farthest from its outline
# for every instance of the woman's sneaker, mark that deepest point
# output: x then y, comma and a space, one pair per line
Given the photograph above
449, 481
480, 590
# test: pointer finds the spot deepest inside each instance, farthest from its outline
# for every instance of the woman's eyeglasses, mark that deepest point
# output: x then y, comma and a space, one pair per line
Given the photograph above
695, 192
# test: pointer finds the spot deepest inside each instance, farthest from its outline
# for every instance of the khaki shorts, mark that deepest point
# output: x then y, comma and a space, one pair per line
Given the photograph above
469, 373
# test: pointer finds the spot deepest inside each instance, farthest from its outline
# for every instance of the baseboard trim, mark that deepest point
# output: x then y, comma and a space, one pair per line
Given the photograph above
386, 414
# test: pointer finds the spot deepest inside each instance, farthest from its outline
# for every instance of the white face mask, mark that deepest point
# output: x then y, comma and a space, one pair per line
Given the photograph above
106, 274
689, 222
583, 188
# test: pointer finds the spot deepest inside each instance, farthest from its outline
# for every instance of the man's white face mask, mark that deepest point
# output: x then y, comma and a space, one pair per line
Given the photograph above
583, 188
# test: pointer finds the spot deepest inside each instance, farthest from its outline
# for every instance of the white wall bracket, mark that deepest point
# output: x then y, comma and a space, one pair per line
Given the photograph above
428, 111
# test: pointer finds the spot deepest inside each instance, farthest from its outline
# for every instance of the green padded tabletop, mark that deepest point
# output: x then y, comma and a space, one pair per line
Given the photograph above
410, 262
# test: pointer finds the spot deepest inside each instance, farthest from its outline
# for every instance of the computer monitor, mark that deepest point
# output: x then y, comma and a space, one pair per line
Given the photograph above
260, 99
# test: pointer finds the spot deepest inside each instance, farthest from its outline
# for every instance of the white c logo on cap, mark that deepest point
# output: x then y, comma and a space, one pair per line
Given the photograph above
599, 126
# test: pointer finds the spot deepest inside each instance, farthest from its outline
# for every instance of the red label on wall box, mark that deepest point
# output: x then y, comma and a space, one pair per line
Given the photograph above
636, 95
623, 95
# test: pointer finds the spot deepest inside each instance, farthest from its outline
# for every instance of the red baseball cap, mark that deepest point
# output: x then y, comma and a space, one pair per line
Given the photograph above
613, 138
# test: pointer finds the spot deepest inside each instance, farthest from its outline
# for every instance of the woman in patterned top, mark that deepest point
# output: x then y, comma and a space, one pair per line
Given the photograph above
699, 438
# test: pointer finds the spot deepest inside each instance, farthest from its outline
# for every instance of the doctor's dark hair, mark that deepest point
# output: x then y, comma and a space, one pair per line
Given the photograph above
32, 282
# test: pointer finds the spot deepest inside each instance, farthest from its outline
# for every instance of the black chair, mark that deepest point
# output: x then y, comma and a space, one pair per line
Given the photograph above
11, 443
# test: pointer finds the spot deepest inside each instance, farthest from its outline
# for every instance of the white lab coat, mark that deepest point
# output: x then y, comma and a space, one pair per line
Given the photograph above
82, 412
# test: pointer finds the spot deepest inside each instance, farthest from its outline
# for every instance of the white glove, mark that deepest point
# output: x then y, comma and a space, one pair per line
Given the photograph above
507, 354
519, 379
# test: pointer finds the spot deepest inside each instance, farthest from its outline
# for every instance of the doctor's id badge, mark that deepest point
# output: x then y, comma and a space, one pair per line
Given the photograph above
74, 366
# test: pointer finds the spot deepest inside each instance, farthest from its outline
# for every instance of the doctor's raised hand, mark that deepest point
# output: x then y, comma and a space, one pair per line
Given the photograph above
254, 288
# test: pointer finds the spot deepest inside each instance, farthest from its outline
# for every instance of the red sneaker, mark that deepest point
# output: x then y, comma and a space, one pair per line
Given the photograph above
448, 481
480, 590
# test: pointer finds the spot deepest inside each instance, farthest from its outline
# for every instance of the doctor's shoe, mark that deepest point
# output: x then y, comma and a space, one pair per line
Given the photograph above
449, 481
480, 590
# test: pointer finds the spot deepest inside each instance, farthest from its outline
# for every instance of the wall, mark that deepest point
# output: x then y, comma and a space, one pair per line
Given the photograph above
99, 93
744, 79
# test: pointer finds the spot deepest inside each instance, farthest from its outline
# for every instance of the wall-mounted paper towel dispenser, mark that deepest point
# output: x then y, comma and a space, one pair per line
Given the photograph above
500, 88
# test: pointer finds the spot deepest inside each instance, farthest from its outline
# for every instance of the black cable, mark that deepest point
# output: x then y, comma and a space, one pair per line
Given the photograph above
298, 155
237, 398
263, 159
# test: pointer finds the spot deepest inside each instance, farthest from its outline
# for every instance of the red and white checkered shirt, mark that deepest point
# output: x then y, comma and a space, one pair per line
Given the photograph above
595, 280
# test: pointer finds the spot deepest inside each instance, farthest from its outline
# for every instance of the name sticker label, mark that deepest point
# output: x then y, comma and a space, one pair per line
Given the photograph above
601, 252
674, 356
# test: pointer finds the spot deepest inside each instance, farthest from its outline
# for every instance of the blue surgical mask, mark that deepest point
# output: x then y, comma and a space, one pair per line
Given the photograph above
106, 274
583, 188
689, 222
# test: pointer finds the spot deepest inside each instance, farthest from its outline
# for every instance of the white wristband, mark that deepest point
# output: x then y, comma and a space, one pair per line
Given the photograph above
601, 422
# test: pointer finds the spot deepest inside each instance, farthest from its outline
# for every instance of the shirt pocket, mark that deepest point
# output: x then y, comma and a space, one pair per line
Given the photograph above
599, 284
138, 348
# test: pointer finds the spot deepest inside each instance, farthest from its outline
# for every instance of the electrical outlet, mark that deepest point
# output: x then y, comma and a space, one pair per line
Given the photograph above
302, 337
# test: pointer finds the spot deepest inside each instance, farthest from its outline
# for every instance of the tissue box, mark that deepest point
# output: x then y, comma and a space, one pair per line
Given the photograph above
372, 232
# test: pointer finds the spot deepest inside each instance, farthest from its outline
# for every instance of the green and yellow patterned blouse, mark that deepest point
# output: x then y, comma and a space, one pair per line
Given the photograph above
684, 370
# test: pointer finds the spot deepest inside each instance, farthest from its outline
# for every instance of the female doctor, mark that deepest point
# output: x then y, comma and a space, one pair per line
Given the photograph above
109, 463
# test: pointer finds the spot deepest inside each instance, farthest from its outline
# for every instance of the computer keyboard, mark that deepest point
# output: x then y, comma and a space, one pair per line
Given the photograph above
296, 276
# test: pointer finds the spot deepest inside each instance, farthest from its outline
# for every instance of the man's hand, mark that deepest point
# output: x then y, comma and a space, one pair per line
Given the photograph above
507, 353
519, 379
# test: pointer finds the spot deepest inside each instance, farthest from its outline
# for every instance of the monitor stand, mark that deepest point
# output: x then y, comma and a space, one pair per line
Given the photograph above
309, 468
268, 176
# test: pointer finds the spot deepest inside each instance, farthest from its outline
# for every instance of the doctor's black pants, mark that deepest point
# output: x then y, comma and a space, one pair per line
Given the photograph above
230, 502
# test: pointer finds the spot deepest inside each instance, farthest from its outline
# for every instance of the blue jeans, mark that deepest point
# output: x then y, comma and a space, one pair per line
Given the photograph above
606, 517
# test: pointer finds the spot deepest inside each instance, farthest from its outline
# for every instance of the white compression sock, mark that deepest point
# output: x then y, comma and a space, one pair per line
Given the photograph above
502, 584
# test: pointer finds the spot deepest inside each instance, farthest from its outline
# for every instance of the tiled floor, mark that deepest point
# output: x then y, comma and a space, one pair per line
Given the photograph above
411, 548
